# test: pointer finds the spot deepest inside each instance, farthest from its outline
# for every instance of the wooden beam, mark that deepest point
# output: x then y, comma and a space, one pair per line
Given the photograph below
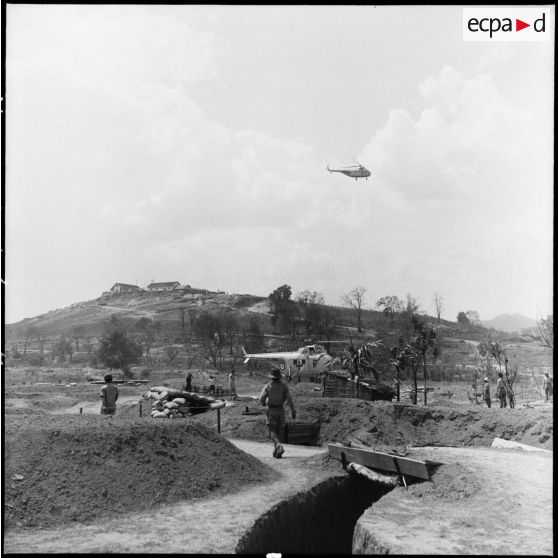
384, 461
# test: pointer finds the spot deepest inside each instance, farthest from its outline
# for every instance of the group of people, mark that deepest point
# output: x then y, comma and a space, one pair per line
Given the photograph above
211, 384
503, 394
274, 395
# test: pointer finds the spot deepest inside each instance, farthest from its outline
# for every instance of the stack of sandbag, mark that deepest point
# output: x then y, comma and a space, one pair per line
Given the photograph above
175, 403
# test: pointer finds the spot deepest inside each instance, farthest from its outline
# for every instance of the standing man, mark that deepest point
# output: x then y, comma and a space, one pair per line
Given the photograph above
211, 383
501, 391
274, 396
486, 392
232, 384
547, 385
188, 386
109, 396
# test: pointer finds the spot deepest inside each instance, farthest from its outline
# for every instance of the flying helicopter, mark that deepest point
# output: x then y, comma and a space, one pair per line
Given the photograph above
307, 362
354, 171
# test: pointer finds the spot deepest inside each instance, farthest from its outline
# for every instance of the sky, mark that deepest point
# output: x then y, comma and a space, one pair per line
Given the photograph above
190, 143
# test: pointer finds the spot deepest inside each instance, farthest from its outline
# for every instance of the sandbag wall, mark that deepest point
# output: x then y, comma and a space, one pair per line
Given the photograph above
175, 403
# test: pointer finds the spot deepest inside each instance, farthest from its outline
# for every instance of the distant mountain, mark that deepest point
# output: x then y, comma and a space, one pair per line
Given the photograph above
510, 323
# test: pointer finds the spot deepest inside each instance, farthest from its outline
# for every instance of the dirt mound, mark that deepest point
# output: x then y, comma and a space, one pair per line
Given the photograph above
61, 469
384, 424
452, 481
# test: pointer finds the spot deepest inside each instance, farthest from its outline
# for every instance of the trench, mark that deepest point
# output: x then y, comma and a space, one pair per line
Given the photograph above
318, 521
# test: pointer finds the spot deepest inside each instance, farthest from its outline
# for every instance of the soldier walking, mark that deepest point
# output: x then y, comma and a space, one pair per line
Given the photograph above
274, 396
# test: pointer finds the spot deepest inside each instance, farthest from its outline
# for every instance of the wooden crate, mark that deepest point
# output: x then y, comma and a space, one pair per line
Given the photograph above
301, 433
336, 385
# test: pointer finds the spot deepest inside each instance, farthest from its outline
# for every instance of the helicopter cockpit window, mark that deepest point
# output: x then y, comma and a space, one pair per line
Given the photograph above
320, 349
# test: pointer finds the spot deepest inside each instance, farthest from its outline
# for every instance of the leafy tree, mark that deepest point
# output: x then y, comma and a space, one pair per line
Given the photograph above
411, 306
146, 334
253, 338
77, 333
390, 305
438, 305
355, 299
282, 308
170, 352
463, 319
15, 351
62, 349
412, 354
473, 316
118, 350
327, 323
499, 354
312, 309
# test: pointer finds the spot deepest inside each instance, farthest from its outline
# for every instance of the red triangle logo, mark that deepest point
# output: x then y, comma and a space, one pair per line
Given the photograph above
519, 25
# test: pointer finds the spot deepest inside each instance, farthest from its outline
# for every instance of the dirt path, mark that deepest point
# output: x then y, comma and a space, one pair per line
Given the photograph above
211, 526
498, 502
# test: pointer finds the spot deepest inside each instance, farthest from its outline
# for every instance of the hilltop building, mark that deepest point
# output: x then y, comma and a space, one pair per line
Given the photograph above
161, 287
124, 288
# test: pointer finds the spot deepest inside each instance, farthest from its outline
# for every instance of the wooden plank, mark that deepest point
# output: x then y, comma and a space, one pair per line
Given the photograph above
384, 461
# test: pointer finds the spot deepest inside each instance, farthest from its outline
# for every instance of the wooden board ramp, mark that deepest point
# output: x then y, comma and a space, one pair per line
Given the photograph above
384, 461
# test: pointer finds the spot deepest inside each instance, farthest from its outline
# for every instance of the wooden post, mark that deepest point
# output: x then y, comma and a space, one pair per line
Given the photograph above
401, 477
219, 421
80, 410
424, 365
140, 408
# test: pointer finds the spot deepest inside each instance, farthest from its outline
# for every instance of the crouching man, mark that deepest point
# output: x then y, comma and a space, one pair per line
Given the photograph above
274, 396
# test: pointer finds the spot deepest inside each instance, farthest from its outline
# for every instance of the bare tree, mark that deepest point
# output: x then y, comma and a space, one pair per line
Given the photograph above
30, 333
77, 333
41, 338
192, 314
355, 299
182, 312
543, 333
438, 305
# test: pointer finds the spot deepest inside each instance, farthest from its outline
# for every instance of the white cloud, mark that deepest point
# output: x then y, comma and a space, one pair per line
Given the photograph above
116, 161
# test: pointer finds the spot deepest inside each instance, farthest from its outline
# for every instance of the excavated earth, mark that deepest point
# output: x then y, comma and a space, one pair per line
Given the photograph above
68, 474
61, 469
395, 425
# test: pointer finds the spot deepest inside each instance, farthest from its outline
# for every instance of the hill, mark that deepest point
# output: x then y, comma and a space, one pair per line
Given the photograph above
173, 316
510, 323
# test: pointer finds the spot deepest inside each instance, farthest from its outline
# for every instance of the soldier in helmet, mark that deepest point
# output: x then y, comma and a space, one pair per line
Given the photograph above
274, 396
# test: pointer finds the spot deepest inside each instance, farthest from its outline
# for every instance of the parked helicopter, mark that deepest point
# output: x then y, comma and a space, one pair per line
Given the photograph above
307, 362
354, 171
